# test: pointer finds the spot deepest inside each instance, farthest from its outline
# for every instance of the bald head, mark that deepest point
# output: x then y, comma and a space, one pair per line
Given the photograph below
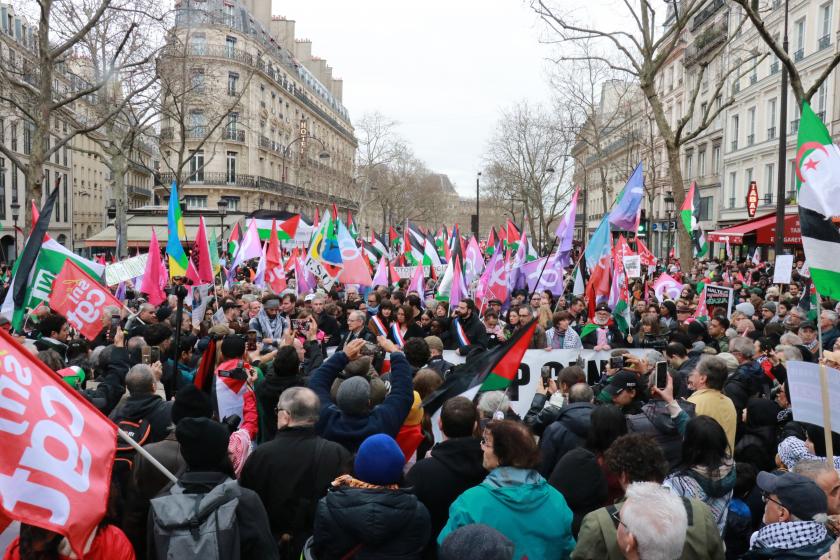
301, 404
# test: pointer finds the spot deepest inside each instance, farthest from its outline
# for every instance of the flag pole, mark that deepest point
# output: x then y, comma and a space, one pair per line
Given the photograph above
146, 455
826, 410
537, 285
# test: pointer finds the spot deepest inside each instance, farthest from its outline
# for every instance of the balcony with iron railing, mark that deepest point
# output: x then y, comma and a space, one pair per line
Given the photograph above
233, 135
199, 131
824, 42
753, 79
799, 55
134, 190
708, 40
707, 12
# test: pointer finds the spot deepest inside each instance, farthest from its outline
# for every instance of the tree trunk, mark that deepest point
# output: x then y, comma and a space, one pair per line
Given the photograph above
683, 238
119, 166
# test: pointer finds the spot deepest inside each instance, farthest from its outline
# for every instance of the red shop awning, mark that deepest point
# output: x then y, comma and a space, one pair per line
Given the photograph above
763, 228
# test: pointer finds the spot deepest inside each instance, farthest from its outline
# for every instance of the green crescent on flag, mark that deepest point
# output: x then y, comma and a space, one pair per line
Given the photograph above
818, 182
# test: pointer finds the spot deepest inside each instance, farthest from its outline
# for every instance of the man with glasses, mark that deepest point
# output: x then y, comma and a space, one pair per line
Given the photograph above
358, 330
525, 316
293, 471
794, 513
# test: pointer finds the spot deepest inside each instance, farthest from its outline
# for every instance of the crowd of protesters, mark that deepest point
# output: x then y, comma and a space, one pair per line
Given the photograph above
295, 426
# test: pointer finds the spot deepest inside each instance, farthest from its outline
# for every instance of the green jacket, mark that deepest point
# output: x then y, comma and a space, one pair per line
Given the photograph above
597, 536
517, 503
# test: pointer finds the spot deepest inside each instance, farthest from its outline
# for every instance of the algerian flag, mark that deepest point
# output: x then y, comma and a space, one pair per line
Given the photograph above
818, 180
49, 263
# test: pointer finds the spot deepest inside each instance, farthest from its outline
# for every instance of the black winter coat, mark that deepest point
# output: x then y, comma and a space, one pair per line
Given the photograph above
382, 523
566, 433
152, 408
655, 420
454, 467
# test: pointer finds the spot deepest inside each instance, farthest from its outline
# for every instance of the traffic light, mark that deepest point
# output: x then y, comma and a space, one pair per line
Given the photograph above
643, 224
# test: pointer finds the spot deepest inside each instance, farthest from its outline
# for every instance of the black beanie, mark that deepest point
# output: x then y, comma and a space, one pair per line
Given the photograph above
204, 443
190, 402
233, 346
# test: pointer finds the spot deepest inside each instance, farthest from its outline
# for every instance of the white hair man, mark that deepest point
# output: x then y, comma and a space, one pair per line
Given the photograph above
652, 523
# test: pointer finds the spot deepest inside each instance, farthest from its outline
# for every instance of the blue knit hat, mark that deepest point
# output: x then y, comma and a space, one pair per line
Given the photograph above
379, 461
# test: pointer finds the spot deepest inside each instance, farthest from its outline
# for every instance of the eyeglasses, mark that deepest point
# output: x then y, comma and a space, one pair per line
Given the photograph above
765, 497
485, 443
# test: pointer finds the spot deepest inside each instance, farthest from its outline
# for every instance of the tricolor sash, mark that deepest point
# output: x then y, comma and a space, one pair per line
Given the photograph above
399, 339
463, 340
380, 326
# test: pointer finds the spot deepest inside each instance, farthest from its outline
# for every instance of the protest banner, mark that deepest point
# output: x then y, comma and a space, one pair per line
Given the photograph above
58, 450
408, 271
129, 269
812, 389
719, 297
633, 266
81, 300
524, 387
783, 269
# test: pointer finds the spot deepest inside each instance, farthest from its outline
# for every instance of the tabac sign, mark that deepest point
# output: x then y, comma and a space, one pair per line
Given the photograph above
752, 199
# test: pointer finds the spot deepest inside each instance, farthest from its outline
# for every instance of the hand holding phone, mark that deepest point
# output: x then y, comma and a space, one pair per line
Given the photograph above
661, 375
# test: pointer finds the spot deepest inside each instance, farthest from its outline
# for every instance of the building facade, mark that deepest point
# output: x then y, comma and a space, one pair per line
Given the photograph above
253, 117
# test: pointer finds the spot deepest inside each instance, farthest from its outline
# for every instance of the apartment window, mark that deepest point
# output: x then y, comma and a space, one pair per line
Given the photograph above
705, 210
734, 130
198, 124
825, 25
197, 166
233, 80
198, 43
768, 182
791, 176
751, 126
701, 163
2, 188
749, 180
195, 202
233, 119
821, 92
64, 155
27, 138
66, 198
799, 52
14, 183
231, 167
230, 46
688, 161
771, 119
733, 177
233, 203
197, 80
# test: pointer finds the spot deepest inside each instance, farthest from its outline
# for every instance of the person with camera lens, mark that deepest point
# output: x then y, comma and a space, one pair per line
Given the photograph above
234, 385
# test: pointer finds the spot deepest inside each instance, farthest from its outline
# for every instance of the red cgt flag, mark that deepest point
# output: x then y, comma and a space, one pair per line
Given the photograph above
82, 300
58, 450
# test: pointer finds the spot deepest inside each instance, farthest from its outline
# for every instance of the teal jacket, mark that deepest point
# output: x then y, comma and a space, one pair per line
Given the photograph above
521, 505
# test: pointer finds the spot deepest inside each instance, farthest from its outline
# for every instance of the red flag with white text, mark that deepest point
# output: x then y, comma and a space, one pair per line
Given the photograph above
58, 450
82, 300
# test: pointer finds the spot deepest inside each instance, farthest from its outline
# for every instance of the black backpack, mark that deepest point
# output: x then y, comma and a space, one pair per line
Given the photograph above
140, 430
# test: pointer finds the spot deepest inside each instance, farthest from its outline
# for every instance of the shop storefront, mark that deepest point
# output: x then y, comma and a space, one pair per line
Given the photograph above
758, 232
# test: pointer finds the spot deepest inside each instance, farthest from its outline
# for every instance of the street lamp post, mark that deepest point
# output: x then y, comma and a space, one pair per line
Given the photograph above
780, 187
477, 204
288, 150
669, 201
15, 215
112, 216
223, 206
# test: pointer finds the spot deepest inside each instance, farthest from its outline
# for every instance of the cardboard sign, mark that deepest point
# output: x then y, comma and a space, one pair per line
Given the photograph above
129, 269
524, 387
719, 297
633, 266
783, 269
806, 396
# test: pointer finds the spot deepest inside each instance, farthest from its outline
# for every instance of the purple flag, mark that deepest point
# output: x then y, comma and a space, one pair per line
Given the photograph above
381, 276
623, 215
304, 281
458, 291
552, 275
566, 228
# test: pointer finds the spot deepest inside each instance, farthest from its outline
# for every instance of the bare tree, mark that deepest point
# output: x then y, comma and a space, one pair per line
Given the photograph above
800, 90
379, 146
528, 161
41, 85
129, 133
646, 49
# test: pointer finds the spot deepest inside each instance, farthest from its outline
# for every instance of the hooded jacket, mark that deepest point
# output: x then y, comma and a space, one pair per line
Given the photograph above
517, 503
583, 483
454, 466
568, 431
149, 407
382, 523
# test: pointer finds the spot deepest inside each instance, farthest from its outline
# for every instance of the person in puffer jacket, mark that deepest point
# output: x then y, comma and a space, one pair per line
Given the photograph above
569, 430
368, 515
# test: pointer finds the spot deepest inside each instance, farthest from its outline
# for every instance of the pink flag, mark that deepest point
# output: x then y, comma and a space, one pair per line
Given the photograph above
458, 291
473, 261
275, 276
417, 284
201, 249
304, 281
153, 273
381, 276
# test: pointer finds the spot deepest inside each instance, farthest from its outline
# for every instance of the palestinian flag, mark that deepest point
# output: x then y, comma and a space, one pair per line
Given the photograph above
808, 302
690, 215
234, 240
512, 237
377, 241
351, 226
430, 254
286, 229
818, 181
492, 239
619, 300
494, 370
702, 312
393, 238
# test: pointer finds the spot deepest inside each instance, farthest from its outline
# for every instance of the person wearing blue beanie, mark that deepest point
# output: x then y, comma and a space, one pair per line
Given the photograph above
379, 461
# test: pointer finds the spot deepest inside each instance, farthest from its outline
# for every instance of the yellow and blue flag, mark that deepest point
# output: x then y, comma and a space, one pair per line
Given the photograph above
178, 260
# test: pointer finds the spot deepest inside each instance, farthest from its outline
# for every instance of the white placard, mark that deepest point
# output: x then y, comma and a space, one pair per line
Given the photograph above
783, 269
803, 386
633, 266
125, 270
524, 387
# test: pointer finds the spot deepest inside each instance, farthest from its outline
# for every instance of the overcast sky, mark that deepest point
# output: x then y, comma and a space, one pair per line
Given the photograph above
442, 68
